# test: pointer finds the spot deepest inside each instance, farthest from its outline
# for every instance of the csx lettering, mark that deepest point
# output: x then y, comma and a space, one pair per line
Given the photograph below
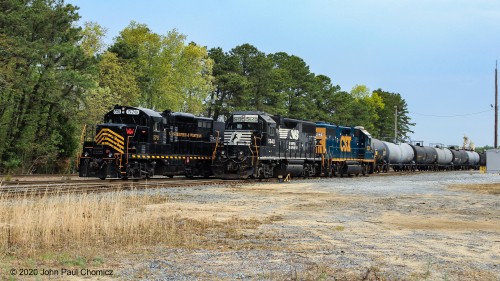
345, 144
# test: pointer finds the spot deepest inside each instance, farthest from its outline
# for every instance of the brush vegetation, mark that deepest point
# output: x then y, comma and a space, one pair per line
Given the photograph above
87, 224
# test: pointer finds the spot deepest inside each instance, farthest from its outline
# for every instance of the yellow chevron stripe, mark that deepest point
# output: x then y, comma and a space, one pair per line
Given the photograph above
110, 140
110, 137
112, 145
107, 130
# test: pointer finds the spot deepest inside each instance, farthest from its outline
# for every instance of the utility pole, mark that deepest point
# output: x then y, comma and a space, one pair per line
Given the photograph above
395, 123
496, 104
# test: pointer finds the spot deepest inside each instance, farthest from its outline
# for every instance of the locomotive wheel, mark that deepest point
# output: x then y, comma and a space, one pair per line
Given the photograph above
334, 171
260, 172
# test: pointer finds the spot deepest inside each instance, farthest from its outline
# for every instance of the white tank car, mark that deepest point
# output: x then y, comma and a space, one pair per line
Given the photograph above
444, 156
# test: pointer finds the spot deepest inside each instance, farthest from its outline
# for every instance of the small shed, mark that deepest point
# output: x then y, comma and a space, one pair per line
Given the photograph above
493, 161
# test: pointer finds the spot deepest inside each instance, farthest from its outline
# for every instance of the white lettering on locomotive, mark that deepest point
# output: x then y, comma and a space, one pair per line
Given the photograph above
289, 134
132, 112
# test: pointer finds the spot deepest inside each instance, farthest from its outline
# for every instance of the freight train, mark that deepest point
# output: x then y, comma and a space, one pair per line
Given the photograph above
258, 145
139, 143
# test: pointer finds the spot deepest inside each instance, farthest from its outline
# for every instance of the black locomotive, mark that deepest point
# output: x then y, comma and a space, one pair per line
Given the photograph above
139, 143
259, 145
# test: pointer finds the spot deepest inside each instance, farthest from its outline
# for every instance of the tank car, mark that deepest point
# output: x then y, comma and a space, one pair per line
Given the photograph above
137, 142
425, 156
460, 158
399, 157
482, 159
444, 157
474, 159
380, 156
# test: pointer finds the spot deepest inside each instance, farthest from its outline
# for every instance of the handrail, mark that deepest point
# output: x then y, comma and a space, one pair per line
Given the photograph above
216, 146
80, 150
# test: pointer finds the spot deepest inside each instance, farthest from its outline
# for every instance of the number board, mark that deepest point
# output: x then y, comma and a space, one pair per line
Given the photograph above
245, 118
132, 112
128, 111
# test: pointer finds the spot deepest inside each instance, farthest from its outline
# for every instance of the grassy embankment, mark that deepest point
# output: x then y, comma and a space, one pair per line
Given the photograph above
83, 229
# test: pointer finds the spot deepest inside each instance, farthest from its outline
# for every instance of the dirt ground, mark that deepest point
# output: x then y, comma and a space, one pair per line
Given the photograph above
428, 226
436, 226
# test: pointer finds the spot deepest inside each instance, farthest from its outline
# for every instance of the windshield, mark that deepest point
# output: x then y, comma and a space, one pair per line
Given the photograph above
242, 126
128, 119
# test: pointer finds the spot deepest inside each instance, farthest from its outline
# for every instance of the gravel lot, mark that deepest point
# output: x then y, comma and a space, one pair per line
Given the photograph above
430, 226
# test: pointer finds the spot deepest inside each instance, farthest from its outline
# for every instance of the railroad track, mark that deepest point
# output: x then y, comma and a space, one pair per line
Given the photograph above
42, 188
28, 186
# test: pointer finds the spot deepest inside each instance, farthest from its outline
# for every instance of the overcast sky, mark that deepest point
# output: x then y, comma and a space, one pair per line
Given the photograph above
438, 54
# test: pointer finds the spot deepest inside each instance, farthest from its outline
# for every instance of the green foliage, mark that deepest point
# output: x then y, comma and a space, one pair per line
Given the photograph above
169, 74
43, 74
56, 77
247, 79
92, 38
384, 128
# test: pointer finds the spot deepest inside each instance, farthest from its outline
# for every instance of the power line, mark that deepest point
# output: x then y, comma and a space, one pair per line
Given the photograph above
448, 116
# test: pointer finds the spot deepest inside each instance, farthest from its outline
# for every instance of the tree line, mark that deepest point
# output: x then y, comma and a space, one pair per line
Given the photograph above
55, 77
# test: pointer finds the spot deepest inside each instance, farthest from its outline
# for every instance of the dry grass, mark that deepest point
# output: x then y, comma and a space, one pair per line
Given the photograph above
487, 188
33, 226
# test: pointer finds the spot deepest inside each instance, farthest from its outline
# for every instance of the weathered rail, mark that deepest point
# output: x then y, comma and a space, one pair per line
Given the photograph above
42, 188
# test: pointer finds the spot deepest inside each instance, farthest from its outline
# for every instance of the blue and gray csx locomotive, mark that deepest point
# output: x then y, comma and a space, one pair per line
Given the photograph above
259, 145
138, 143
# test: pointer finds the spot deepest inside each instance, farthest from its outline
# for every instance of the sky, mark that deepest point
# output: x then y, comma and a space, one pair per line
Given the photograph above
439, 55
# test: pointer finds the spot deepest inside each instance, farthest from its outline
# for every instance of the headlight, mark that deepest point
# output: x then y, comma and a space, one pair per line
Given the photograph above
86, 154
223, 152
110, 154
